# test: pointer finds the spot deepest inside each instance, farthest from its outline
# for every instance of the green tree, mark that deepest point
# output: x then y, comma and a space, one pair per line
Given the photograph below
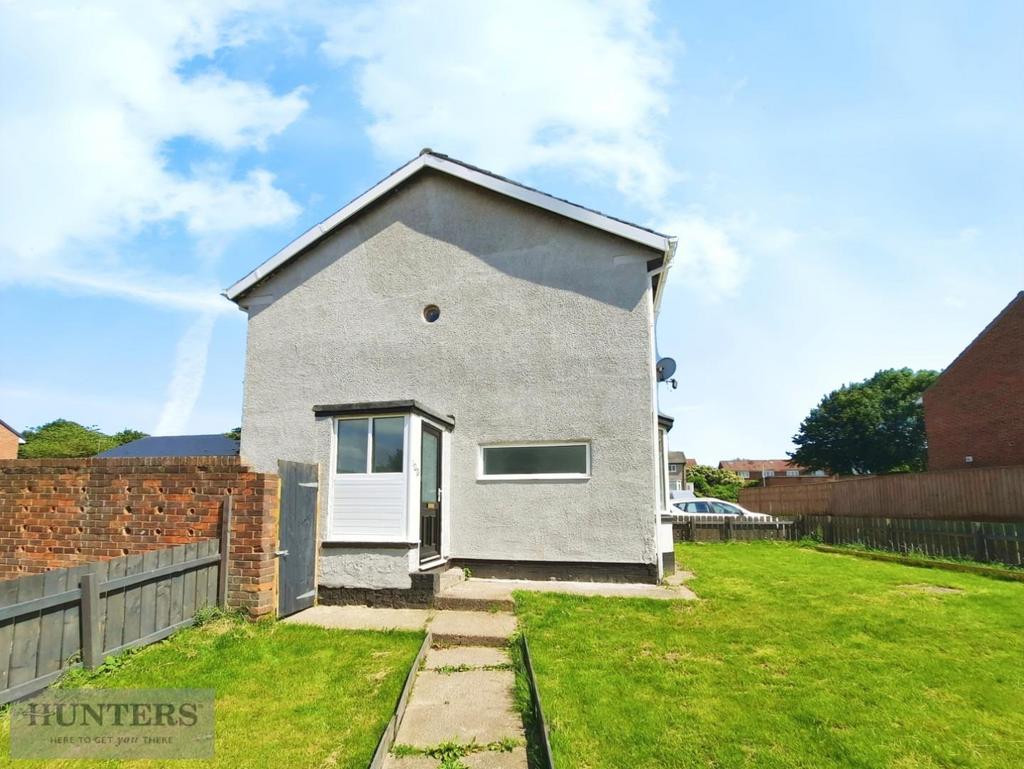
874, 426
64, 438
710, 481
127, 435
235, 434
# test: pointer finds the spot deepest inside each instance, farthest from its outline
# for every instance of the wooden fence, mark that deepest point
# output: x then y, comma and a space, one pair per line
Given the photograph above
977, 494
48, 621
725, 528
981, 541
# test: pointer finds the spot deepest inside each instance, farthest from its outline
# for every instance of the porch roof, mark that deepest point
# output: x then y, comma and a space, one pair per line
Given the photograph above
384, 407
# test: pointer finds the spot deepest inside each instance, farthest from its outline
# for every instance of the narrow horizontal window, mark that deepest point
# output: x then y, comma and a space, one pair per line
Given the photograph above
563, 460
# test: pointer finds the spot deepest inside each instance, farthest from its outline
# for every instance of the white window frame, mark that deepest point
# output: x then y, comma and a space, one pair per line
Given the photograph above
673, 467
369, 443
744, 473
792, 473
767, 473
532, 476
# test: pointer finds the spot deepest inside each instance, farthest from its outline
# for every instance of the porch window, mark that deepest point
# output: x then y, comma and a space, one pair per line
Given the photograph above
536, 461
371, 445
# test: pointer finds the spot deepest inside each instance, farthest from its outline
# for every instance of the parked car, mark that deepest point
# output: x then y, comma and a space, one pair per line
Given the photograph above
712, 508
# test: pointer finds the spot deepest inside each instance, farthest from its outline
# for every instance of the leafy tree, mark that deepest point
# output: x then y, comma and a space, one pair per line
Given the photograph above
127, 435
235, 435
64, 438
874, 426
710, 481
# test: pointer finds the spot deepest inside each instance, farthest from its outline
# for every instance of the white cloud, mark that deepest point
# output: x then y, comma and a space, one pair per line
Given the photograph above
515, 84
92, 93
189, 372
707, 257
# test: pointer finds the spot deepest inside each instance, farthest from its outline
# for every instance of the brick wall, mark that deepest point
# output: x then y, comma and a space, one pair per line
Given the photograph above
8, 444
974, 409
61, 512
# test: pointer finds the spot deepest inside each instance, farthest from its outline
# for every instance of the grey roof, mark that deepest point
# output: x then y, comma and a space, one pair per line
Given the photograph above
176, 446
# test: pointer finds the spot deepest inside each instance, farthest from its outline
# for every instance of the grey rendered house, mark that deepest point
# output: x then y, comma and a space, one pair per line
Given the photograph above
471, 365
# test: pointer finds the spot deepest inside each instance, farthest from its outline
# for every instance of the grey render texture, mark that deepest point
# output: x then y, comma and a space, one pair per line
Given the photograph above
545, 334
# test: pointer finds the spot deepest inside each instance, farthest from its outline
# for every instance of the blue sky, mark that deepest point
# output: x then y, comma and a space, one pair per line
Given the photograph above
846, 180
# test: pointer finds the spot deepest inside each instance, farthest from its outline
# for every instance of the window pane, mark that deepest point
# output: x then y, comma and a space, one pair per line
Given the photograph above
352, 445
388, 444
535, 460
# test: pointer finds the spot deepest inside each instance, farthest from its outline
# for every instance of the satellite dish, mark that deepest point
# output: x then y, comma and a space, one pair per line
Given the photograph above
666, 367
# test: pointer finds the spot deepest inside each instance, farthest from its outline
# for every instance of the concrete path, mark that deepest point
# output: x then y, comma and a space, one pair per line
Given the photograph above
498, 592
464, 694
362, 618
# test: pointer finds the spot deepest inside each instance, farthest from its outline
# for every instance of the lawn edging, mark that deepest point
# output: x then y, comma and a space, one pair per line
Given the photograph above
539, 724
926, 563
387, 738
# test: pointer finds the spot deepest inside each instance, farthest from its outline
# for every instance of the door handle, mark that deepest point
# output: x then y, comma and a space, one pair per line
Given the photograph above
281, 553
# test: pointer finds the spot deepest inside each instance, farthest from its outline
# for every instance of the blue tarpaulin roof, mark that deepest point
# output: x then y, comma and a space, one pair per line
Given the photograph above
176, 446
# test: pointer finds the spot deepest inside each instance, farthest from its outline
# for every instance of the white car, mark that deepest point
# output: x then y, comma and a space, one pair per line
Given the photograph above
716, 508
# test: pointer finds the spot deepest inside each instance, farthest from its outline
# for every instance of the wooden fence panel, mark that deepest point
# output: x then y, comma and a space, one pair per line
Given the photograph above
982, 541
986, 494
93, 609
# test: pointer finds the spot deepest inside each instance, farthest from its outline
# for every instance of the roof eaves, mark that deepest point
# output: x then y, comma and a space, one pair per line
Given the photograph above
21, 438
984, 332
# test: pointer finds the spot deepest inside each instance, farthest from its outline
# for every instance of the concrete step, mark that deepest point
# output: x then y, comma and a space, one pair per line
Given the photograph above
450, 578
467, 603
462, 657
486, 759
471, 628
474, 706
483, 760
476, 595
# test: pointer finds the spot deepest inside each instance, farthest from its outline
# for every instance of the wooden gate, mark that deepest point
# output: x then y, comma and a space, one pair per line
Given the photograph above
297, 553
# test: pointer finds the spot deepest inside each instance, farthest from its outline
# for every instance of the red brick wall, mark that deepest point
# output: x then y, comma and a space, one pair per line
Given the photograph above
8, 444
61, 512
974, 409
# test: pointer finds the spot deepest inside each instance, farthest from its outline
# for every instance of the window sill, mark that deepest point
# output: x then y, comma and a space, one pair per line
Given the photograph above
538, 477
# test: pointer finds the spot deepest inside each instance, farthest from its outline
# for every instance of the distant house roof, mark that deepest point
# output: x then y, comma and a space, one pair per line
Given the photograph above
757, 465
7, 427
176, 446
663, 244
677, 457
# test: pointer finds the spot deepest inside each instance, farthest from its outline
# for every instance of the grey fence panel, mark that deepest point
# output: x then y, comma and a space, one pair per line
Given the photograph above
136, 599
188, 582
724, 528
51, 625
132, 629
25, 644
147, 619
113, 630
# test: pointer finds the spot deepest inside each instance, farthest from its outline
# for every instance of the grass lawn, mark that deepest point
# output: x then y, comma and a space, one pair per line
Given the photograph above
287, 695
793, 658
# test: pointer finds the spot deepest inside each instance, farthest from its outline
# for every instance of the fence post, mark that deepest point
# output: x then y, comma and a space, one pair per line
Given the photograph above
728, 529
225, 553
980, 551
92, 637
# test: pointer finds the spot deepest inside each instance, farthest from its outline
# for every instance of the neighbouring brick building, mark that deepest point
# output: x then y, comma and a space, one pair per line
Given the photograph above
56, 513
10, 439
974, 412
769, 469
